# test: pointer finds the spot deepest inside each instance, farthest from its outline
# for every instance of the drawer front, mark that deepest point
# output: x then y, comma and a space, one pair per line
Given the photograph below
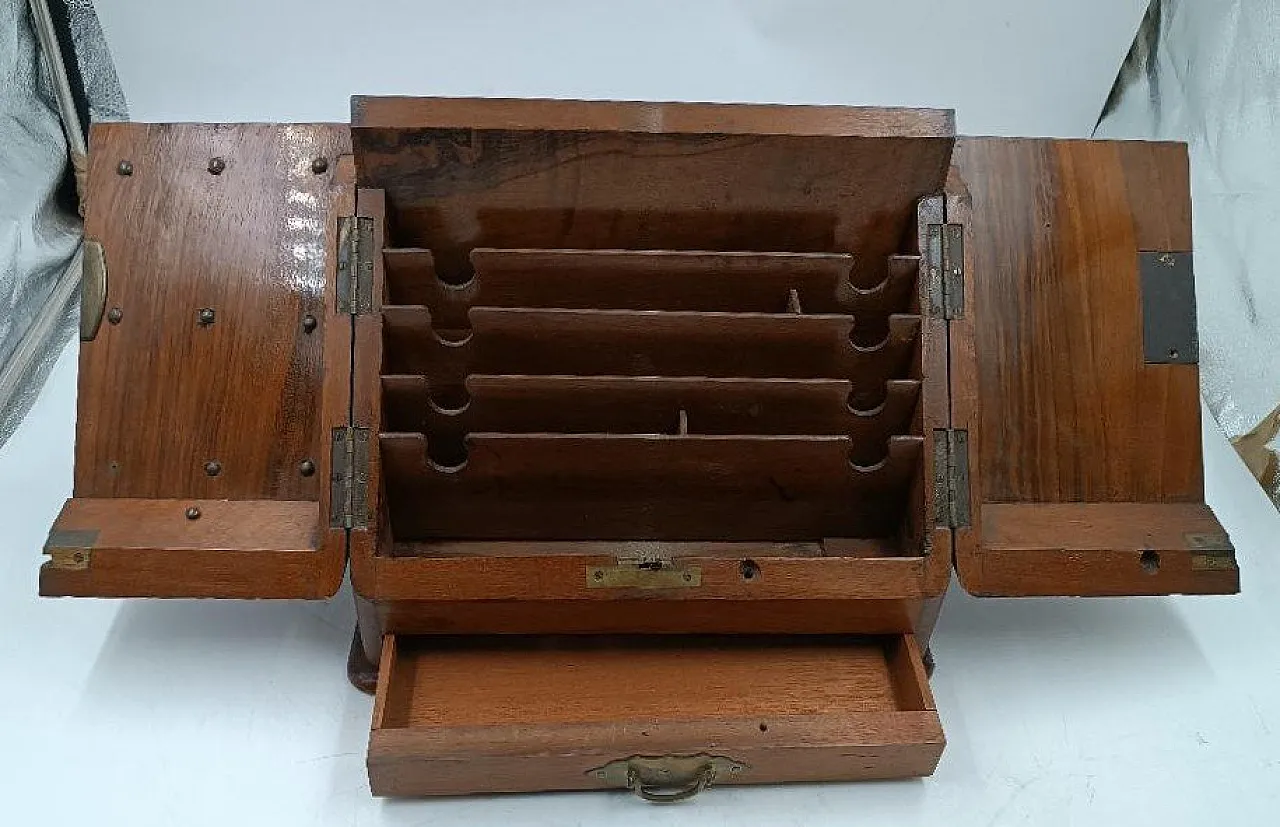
662, 716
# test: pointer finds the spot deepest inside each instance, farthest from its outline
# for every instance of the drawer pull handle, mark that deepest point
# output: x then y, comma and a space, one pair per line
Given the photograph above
660, 795
666, 779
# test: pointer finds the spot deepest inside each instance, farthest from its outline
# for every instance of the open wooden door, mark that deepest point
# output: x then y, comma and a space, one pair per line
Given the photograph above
213, 368
1073, 371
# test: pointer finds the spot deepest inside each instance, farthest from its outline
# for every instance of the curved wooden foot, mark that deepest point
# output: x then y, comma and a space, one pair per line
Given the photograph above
362, 673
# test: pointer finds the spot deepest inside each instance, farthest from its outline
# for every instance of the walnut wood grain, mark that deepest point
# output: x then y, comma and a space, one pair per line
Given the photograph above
792, 709
645, 116
1048, 367
208, 389
160, 393
592, 187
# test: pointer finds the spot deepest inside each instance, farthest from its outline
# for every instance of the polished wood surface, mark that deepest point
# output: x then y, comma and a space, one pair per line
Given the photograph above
149, 548
1104, 549
1048, 367
207, 388
162, 394
790, 708
645, 116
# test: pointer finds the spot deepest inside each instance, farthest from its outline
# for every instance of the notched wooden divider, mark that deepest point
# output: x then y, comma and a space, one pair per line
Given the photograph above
631, 337
648, 395
678, 487
669, 280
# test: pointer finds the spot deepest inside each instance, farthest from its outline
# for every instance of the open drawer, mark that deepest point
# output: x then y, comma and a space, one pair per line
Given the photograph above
663, 716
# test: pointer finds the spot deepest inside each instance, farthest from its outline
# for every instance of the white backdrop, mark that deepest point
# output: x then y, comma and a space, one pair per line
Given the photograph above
1057, 711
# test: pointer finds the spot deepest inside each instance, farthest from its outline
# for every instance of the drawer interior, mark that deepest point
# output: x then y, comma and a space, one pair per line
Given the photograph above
512, 713
645, 337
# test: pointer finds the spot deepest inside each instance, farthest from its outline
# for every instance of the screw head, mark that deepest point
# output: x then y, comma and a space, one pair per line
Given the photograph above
320, 165
206, 316
114, 315
193, 513
216, 166
213, 468
124, 168
309, 323
306, 468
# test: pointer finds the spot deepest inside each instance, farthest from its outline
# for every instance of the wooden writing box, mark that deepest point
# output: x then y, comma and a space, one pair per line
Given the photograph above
650, 433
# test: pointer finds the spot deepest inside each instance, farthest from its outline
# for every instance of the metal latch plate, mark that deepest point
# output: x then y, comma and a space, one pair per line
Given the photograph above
644, 574
1168, 309
71, 549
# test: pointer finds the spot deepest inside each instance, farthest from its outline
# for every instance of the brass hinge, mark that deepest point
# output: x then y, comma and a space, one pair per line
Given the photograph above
944, 265
349, 478
355, 265
951, 477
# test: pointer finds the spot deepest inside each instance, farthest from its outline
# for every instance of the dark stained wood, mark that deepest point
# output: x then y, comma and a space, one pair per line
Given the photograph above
646, 343
842, 547
589, 486
1048, 368
645, 116
160, 394
651, 405
236, 549
929, 364
454, 189
672, 280
792, 709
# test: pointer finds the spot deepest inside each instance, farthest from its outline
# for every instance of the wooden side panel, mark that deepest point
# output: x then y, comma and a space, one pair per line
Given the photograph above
456, 715
1047, 363
204, 381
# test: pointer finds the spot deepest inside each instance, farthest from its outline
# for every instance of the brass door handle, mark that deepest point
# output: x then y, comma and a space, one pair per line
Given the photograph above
659, 795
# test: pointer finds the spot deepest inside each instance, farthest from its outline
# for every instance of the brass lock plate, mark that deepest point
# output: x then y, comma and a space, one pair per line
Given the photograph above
644, 574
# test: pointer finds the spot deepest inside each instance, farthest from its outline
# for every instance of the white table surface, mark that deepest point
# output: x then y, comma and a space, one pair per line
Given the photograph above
1102, 711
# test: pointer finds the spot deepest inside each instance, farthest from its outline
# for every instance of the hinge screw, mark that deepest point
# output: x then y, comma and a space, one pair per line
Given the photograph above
124, 168
319, 165
206, 316
193, 513
216, 166
114, 315
306, 468
309, 323
213, 468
